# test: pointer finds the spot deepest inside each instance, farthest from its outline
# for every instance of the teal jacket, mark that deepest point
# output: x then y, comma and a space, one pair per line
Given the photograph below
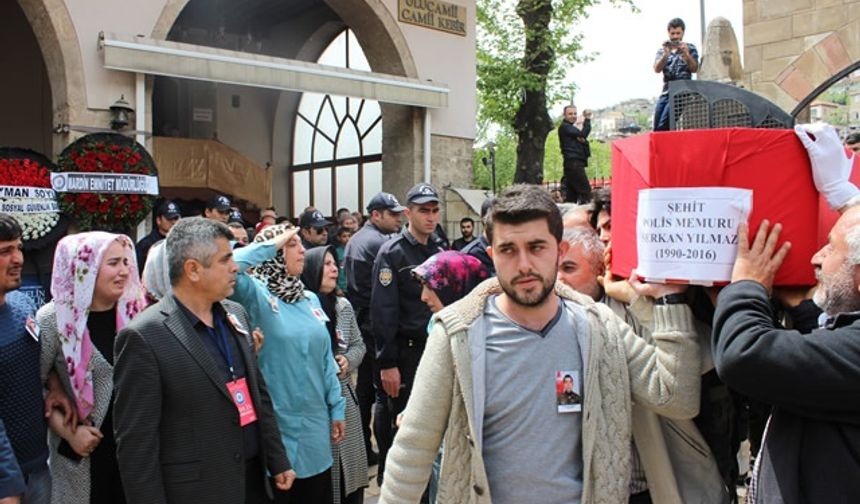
297, 363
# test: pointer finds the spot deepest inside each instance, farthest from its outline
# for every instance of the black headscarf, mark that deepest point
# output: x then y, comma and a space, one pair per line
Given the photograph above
312, 278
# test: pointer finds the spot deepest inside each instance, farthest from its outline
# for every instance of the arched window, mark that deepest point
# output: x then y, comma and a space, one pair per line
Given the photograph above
337, 144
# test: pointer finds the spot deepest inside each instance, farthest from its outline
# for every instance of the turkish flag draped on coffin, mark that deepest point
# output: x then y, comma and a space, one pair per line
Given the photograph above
773, 163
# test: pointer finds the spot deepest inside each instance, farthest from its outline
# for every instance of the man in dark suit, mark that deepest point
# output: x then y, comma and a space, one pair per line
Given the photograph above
192, 415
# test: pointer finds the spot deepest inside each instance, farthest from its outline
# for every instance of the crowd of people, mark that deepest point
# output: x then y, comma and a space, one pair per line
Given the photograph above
222, 363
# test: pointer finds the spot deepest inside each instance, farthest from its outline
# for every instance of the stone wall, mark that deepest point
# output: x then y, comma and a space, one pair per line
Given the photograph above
793, 46
451, 161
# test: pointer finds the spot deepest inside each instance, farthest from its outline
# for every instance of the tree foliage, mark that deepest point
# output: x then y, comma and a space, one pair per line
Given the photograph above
599, 165
502, 81
525, 49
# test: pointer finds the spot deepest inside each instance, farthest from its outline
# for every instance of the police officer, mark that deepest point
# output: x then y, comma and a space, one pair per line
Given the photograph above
385, 213
166, 216
313, 229
218, 208
398, 316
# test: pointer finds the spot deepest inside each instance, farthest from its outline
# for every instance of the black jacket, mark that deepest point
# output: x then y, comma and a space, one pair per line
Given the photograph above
573, 141
811, 452
143, 246
396, 310
358, 260
177, 429
478, 248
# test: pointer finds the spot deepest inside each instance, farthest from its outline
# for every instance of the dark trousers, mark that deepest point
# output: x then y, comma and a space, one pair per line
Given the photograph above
576, 184
368, 375
640, 498
718, 422
661, 113
313, 490
105, 482
356, 497
409, 355
255, 489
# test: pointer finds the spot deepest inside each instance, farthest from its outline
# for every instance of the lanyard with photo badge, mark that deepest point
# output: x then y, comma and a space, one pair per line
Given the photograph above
238, 387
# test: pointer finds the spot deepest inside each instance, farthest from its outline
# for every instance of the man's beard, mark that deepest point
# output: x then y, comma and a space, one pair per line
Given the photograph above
532, 298
837, 294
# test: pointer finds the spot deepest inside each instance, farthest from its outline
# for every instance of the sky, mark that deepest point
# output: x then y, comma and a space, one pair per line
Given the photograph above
627, 42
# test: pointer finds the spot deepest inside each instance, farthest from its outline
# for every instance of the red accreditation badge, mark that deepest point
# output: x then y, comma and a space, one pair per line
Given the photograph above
242, 399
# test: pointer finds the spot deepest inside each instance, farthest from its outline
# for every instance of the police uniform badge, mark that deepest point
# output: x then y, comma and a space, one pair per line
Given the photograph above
385, 276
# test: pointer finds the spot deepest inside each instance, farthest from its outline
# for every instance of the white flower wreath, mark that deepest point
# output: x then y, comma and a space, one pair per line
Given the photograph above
37, 216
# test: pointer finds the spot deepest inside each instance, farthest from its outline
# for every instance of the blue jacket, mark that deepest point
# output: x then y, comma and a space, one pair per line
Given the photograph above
297, 363
11, 480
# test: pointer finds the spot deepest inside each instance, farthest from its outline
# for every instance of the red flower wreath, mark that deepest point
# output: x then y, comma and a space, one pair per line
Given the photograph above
36, 212
106, 153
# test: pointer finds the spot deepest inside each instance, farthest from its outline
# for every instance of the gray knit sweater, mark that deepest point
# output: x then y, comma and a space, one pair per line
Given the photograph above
620, 368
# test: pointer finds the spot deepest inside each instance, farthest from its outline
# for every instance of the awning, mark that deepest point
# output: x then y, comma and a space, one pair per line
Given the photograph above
474, 198
186, 162
188, 61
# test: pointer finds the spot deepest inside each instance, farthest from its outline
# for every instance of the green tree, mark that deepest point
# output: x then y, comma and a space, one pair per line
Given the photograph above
506, 162
599, 165
600, 162
525, 48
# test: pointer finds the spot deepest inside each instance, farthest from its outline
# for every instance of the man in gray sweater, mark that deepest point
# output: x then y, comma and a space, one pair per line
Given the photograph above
496, 360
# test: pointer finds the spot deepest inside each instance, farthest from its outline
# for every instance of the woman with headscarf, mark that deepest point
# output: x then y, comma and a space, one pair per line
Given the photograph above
448, 276
445, 278
349, 470
156, 278
96, 292
296, 359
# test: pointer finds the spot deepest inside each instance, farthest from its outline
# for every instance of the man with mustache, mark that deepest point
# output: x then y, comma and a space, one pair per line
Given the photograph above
24, 473
193, 418
487, 381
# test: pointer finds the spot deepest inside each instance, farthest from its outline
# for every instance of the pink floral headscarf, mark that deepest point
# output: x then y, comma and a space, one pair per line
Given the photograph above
76, 267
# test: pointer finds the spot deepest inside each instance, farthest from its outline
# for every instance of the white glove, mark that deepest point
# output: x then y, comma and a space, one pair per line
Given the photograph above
831, 166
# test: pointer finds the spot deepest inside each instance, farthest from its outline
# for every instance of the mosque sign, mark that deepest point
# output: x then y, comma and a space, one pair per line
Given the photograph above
433, 14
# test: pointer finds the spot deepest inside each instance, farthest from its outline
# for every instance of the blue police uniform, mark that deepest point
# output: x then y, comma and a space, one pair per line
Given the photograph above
360, 255
399, 319
398, 316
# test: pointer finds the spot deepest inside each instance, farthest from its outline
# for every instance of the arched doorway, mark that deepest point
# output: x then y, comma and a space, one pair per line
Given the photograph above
25, 90
849, 78
260, 122
835, 101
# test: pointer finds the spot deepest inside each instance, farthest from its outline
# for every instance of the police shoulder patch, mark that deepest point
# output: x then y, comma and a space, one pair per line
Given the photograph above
385, 276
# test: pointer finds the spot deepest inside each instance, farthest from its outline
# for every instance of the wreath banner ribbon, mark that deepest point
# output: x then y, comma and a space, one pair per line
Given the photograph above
107, 183
28, 207
7, 191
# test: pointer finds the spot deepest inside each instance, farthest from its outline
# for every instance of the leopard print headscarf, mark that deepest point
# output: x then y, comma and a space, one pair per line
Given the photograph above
273, 272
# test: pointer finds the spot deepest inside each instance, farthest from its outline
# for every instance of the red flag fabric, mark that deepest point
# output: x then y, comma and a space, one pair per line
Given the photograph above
772, 163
